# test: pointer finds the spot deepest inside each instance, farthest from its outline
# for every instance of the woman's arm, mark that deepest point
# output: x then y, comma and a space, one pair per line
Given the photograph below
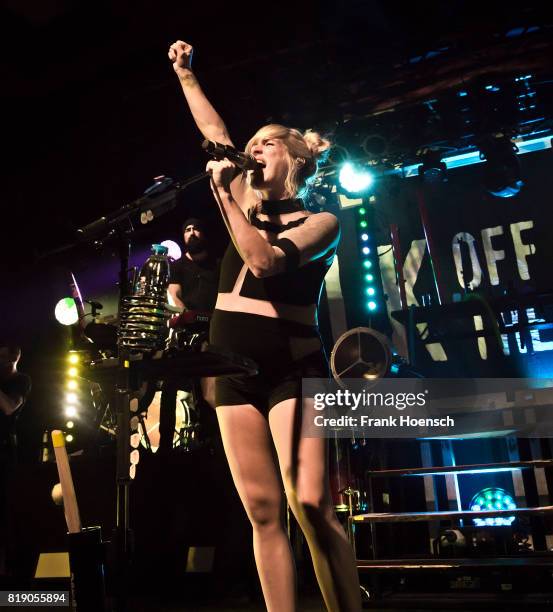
315, 238
207, 119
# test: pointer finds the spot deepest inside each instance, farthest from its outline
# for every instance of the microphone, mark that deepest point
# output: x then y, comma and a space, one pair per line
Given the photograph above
95, 305
240, 159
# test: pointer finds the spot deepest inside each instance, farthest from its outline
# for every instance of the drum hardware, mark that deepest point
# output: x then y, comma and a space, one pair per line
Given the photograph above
354, 500
362, 353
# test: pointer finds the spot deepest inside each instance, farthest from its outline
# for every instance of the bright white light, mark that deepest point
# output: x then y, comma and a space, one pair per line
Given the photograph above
66, 311
72, 385
70, 424
174, 250
69, 438
354, 180
364, 237
70, 411
71, 398
72, 372
366, 250
73, 358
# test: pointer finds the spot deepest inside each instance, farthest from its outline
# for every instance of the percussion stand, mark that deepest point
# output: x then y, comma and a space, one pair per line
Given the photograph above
159, 198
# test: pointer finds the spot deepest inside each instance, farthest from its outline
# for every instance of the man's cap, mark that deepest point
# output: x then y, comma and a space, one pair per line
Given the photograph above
197, 223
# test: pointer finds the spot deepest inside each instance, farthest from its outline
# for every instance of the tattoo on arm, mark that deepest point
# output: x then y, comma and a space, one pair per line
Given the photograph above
189, 79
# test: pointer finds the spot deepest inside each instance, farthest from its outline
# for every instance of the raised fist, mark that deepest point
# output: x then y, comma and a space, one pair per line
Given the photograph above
180, 53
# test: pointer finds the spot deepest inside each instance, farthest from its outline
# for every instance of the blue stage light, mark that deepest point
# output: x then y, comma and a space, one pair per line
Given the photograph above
492, 498
354, 179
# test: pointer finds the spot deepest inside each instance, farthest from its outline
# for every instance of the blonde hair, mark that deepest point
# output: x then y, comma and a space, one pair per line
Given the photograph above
309, 148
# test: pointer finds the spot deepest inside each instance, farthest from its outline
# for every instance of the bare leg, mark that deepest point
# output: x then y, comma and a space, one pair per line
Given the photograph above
303, 465
248, 447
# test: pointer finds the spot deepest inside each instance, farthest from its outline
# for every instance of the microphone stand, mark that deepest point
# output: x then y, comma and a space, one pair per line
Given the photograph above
158, 199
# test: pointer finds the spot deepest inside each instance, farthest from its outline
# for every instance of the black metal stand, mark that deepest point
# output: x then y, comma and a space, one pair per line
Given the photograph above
158, 199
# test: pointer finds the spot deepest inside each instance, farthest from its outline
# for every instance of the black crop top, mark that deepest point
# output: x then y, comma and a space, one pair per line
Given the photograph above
300, 286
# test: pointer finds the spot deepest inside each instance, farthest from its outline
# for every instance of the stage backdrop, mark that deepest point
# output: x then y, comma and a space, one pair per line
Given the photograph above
493, 246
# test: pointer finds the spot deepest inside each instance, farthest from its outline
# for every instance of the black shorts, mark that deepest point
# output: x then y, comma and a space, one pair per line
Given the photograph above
267, 341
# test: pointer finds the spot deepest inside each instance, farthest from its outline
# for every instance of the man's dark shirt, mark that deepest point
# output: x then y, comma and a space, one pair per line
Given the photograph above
16, 386
198, 282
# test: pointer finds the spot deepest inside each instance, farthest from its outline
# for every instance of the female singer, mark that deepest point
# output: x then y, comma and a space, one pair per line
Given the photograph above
271, 278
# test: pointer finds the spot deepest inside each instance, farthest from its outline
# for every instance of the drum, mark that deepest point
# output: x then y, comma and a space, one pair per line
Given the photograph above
170, 418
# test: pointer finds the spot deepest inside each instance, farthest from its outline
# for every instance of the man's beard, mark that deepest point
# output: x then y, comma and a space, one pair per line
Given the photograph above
195, 245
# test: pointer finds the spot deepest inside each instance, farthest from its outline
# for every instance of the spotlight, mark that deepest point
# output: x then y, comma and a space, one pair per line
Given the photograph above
70, 424
73, 372
364, 237
502, 177
492, 498
70, 411
354, 179
72, 385
69, 438
73, 358
366, 251
432, 168
71, 398
66, 311
371, 305
173, 249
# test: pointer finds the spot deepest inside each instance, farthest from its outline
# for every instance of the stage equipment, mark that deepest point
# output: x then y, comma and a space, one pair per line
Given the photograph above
432, 168
355, 179
492, 498
174, 250
66, 311
502, 177
85, 544
238, 158
361, 352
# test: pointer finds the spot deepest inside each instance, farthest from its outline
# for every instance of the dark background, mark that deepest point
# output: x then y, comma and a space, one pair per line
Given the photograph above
92, 112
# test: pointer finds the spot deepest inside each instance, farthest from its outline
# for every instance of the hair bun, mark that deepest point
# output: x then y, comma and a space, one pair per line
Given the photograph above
316, 143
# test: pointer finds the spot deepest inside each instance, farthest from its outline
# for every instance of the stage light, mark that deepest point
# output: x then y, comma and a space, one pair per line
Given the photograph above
71, 398
367, 264
66, 311
72, 372
366, 251
371, 305
364, 237
369, 278
69, 438
70, 411
354, 179
73, 358
173, 249
432, 168
492, 498
70, 424
72, 385
370, 291
502, 177
363, 224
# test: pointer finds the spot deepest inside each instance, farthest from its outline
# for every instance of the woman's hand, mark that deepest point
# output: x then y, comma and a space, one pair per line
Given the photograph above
180, 53
222, 173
